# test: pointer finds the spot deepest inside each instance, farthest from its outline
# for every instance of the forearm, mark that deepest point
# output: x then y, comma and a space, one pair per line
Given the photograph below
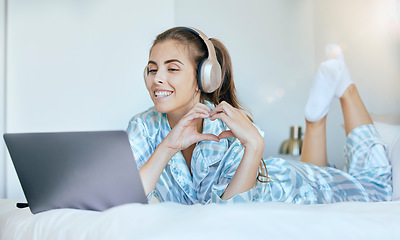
246, 173
151, 171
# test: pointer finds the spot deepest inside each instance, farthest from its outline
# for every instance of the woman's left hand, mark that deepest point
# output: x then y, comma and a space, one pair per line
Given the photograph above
239, 124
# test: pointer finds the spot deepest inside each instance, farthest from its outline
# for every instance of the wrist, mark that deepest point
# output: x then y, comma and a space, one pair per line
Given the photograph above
255, 145
167, 149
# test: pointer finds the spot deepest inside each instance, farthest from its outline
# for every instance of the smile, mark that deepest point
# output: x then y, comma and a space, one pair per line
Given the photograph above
162, 93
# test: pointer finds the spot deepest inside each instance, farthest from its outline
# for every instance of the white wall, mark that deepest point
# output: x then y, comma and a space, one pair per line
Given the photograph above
272, 48
368, 31
78, 65
276, 46
2, 100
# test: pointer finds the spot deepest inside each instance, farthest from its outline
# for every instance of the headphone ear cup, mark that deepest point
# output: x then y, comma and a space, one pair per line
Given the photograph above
209, 75
200, 75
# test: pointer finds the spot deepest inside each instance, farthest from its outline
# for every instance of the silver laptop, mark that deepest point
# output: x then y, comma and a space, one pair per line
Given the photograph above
80, 170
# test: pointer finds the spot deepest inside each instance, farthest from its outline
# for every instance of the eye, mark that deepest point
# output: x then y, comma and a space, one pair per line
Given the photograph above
152, 71
173, 68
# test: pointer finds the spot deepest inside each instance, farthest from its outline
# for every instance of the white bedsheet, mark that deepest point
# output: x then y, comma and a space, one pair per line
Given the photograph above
173, 221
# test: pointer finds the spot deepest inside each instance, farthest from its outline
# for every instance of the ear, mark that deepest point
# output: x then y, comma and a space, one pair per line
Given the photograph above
198, 88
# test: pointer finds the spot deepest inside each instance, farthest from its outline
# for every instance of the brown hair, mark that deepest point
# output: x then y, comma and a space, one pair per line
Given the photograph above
197, 51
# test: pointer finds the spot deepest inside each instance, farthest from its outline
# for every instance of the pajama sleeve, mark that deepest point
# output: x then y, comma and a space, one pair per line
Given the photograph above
229, 165
141, 145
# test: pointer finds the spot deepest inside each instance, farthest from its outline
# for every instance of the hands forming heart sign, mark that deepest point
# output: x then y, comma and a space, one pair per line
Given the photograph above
185, 132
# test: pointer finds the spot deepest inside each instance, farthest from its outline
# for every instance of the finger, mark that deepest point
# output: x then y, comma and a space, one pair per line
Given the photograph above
226, 119
195, 115
226, 134
223, 107
201, 107
208, 137
221, 116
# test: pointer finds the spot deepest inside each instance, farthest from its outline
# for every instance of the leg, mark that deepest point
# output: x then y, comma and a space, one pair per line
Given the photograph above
365, 155
314, 143
366, 159
354, 112
331, 80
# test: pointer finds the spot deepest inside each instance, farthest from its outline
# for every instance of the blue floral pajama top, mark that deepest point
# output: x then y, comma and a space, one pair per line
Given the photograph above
213, 165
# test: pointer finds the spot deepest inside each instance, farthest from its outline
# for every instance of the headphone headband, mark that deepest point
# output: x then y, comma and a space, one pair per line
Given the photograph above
206, 40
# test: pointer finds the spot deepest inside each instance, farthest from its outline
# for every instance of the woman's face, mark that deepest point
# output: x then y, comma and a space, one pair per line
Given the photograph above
171, 81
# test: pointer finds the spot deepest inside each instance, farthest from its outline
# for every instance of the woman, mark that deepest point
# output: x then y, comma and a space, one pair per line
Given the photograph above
196, 146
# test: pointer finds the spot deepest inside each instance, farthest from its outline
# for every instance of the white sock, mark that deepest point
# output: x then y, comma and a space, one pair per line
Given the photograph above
323, 89
334, 51
331, 80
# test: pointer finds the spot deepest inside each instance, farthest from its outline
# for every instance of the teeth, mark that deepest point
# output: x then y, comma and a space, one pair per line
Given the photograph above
162, 93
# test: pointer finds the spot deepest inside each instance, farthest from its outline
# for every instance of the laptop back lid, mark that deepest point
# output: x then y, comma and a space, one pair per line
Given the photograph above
81, 170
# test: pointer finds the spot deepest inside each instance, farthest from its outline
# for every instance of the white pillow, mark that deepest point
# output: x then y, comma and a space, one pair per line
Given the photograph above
390, 135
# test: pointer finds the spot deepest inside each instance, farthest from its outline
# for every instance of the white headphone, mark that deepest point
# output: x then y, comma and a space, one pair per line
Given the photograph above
209, 77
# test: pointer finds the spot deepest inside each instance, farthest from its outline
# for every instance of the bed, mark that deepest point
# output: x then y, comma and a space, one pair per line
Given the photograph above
347, 220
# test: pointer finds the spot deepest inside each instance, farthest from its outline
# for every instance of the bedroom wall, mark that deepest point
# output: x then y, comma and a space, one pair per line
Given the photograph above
276, 46
77, 65
368, 31
2, 98
272, 48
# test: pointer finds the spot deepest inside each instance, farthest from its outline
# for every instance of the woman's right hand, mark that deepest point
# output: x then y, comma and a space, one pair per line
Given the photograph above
185, 133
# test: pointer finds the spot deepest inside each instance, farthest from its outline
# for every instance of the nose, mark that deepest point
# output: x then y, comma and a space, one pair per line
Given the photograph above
159, 78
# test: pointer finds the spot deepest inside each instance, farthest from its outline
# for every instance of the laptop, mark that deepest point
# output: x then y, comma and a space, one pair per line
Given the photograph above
79, 170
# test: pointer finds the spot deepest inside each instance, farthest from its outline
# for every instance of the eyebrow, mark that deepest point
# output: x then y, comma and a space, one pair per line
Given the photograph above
166, 62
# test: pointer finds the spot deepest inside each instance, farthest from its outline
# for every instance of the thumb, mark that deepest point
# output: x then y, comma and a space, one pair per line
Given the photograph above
226, 134
208, 137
